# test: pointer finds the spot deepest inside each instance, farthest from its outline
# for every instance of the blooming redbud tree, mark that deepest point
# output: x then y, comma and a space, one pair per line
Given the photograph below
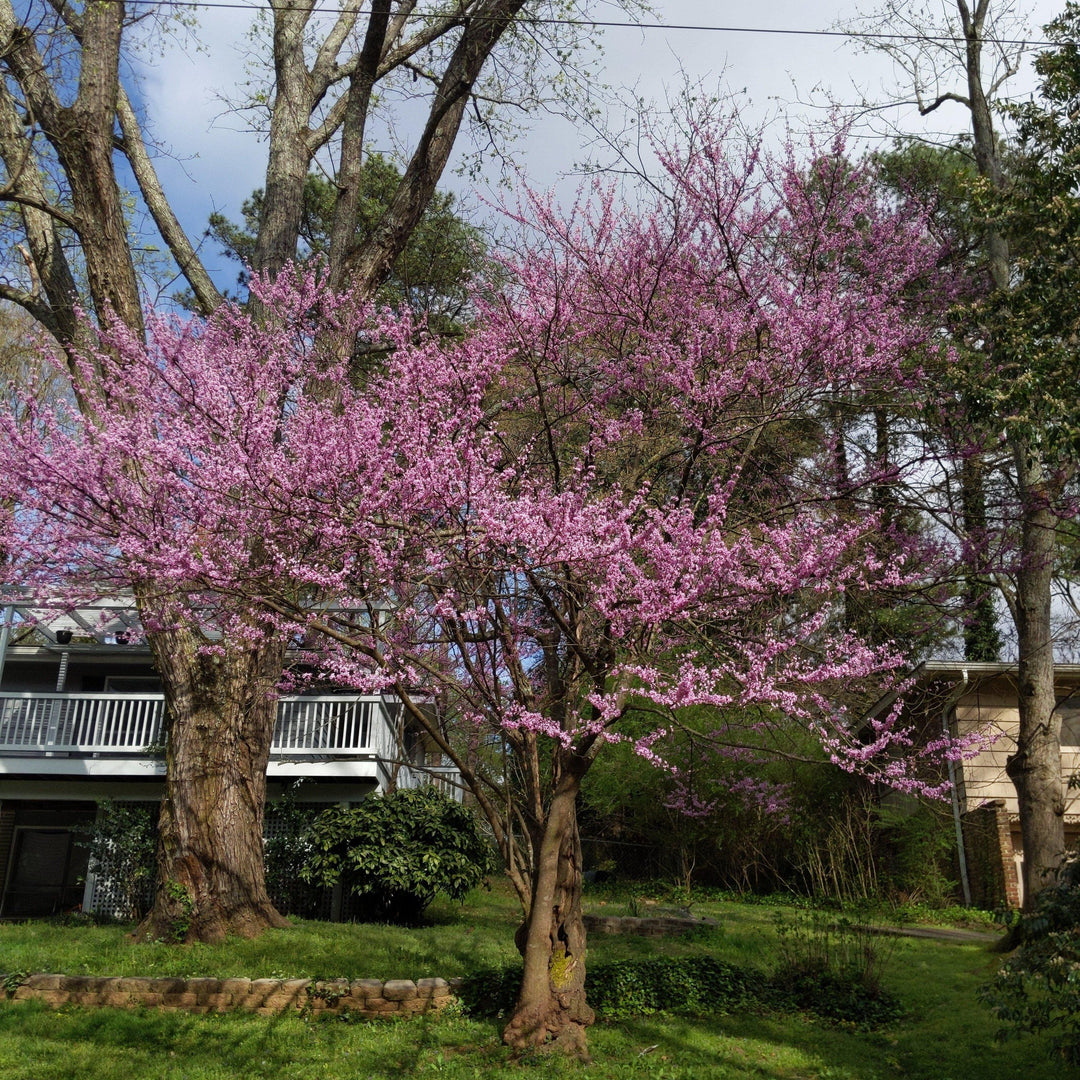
621, 502
612, 496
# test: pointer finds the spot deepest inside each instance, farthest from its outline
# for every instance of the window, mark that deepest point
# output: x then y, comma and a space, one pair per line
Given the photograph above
1070, 725
132, 684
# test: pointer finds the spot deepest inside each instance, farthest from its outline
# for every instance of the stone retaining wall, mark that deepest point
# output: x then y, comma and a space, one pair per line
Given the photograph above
649, 926
364, 997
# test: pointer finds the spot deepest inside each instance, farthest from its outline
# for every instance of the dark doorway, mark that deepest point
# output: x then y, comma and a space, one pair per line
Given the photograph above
47, 860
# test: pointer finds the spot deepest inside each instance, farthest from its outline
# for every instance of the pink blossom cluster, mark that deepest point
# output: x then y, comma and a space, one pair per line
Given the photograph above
608, 494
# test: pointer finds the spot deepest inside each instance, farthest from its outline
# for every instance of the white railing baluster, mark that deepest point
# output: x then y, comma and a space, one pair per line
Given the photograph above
127, 724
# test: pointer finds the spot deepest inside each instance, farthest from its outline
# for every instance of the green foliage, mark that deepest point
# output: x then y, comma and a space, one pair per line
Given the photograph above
838, 997
432, 275
830, 838
697, 986
693, 985
733, 839
916, 843
1035, 322
182, 904
833, 967
123, 848
1038, 988
938, 179
492, 991
688, 985
396, 852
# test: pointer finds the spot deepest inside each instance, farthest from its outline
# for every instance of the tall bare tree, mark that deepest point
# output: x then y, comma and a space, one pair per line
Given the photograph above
966, 57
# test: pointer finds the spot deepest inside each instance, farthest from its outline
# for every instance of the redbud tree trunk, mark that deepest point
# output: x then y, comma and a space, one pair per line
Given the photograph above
552, 1008
220, 714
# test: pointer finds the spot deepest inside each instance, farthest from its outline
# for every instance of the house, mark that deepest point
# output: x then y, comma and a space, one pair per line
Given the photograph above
81, 721
982, 697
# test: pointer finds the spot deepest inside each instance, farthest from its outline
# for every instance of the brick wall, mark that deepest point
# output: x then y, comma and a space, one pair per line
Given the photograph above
991, 866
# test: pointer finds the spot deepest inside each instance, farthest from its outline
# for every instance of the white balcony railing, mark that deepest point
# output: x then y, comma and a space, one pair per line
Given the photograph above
444, 778
130, 724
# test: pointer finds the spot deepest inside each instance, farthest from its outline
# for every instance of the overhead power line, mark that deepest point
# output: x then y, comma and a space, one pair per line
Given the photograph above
939, 37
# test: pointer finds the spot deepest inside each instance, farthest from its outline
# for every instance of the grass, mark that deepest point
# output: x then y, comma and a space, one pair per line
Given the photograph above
946, 1034
457, 940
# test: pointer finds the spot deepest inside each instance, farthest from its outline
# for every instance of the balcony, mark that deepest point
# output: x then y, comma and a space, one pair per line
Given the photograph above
119, 736
38, 723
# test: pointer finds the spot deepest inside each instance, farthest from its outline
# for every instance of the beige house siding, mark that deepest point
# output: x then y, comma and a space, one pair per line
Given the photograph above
995, 716
982, 698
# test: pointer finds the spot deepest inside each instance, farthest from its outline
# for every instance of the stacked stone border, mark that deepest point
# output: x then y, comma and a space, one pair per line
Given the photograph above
649, 926
369, 998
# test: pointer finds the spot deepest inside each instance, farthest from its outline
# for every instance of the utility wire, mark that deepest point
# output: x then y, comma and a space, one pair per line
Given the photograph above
605, 24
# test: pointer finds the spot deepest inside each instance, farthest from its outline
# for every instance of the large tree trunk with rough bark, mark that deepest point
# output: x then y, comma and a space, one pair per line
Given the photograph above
552, 1009
1035, 768
220, 713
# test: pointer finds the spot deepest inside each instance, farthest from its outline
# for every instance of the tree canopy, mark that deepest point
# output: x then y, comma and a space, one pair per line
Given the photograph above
530, 530
434, 275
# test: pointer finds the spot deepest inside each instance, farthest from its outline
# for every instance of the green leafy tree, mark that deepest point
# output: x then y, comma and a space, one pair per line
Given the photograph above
396, 852
1017, 384
1027, 389
939, 180
1036, 322
432, 275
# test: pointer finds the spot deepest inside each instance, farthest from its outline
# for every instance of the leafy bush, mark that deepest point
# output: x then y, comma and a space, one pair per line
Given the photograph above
123, 849
693, 986
492, 991
916, 847
1038, 988
689, 985
285, 854
396, 852
837, 996
832, 967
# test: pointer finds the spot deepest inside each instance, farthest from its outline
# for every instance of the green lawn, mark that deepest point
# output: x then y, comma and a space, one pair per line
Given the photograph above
946, 1034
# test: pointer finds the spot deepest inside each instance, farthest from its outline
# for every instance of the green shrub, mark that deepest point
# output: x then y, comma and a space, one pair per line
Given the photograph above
123, 849
1038, 988
836, 996
491, 991
916, 846
832, 966
694, 986
285, 854
620, 989
396, 852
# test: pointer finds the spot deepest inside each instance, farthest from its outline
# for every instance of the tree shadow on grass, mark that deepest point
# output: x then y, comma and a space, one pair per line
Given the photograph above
795, 1047
730, 1047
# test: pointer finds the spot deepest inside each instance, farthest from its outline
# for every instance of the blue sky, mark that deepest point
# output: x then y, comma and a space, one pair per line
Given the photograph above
213, 162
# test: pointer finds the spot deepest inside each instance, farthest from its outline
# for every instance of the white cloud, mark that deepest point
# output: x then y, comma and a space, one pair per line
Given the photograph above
218, 161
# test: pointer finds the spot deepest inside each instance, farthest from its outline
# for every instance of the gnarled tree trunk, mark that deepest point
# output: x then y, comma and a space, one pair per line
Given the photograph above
220, 713
552, 1008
